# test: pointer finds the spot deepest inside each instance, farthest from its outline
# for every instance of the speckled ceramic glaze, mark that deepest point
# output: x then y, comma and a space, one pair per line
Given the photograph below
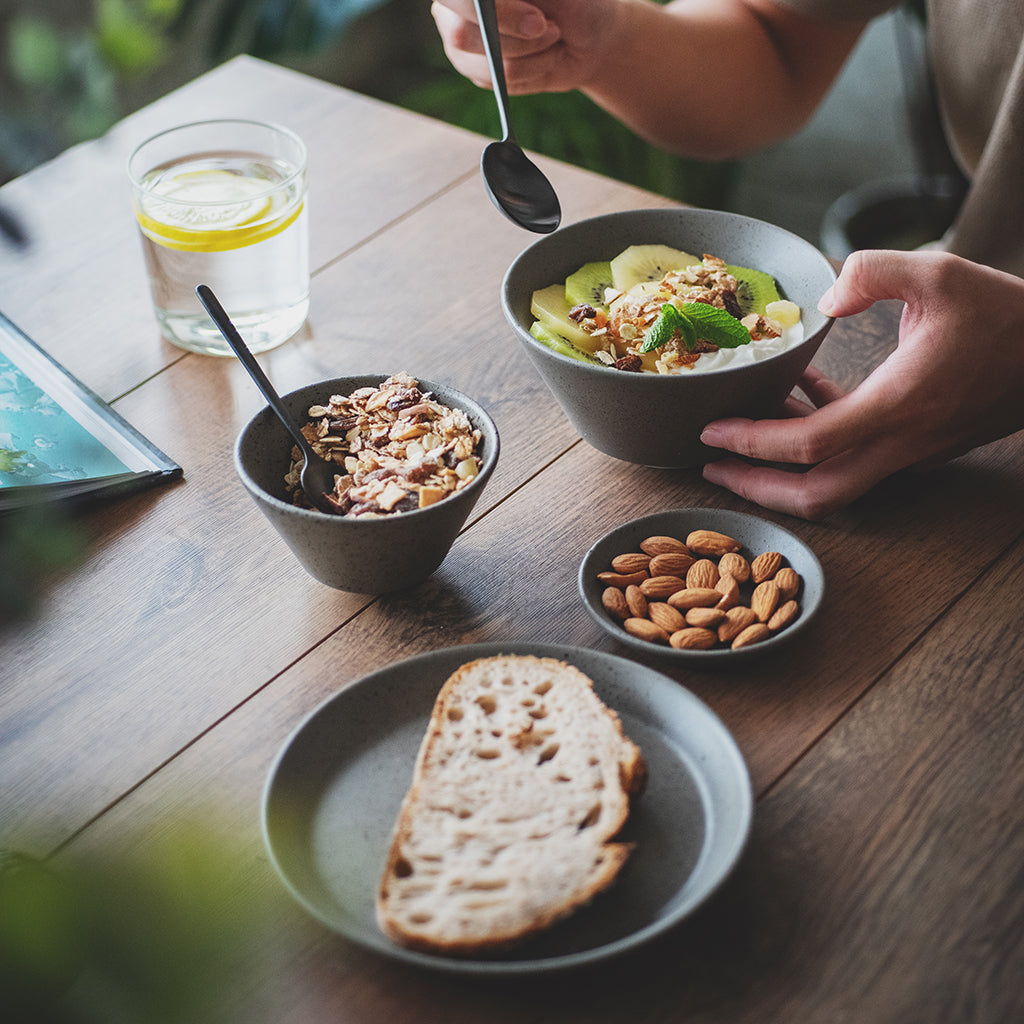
652, 419
755, 534
364, 556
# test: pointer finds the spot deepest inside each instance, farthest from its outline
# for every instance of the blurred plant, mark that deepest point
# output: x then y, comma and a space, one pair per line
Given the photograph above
36, 544
63, 80
153, 931
273, 29
570, 127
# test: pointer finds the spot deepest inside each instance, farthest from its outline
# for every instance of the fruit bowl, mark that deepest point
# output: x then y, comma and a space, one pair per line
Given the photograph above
653, 418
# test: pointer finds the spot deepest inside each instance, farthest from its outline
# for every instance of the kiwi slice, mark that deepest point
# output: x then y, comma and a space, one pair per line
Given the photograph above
588, 285
647, 263
551, 308
755, 289
564, 346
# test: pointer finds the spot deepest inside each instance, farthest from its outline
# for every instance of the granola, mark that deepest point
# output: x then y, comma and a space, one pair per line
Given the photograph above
396, 447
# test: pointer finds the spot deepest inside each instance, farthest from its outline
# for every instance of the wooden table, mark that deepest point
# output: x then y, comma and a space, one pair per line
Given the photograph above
883, 878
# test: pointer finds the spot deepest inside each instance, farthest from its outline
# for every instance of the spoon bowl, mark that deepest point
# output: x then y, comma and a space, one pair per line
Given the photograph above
317, 476
516, 185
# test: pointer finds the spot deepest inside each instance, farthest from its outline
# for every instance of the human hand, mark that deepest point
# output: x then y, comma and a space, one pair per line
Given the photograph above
553, 49
955, 381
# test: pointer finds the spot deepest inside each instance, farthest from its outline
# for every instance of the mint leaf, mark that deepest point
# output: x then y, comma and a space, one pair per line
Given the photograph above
670, 320
715, 325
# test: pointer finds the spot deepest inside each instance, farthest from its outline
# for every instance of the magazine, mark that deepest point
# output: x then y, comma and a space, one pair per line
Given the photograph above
58, 440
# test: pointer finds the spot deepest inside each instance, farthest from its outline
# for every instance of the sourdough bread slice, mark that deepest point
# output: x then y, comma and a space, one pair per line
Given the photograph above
522, 780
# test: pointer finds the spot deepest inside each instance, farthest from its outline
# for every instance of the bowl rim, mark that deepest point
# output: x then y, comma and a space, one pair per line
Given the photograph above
453, 398
715, 654
623, 216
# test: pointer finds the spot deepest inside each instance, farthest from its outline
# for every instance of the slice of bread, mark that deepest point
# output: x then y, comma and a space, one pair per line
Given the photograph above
523, 779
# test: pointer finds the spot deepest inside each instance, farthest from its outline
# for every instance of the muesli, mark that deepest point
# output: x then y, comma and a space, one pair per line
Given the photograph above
397, 449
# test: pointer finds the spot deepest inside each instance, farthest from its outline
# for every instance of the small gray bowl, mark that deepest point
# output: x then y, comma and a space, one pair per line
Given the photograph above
363, 556
755, 534
653, 419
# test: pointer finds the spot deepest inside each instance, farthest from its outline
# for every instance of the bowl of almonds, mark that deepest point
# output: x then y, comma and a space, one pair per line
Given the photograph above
701, 583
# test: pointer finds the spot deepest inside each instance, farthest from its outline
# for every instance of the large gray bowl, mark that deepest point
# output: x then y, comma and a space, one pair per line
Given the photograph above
363, 556
652, 419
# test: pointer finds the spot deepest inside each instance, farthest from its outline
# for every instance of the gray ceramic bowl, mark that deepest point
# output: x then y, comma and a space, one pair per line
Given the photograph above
755, 534
364, 556
653, 419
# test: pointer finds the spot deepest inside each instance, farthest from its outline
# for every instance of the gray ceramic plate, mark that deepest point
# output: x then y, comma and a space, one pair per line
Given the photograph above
335, 788
755, 534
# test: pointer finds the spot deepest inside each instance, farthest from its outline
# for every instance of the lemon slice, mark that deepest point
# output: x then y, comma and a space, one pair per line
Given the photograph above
213, 210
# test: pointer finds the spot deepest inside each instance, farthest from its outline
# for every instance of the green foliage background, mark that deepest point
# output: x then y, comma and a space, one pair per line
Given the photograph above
69, 72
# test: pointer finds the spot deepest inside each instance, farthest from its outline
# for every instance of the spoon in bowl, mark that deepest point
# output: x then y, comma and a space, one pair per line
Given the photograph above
317, 476
516, 185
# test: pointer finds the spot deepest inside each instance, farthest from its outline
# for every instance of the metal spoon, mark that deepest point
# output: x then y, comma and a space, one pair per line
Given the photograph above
516, 185
317, 476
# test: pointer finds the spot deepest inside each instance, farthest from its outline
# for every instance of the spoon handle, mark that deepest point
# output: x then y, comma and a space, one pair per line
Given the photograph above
248, 360
488, 17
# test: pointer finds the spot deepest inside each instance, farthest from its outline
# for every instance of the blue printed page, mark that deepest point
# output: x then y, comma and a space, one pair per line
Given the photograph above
41, 442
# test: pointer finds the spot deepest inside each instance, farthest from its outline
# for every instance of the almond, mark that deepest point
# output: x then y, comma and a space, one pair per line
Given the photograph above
672, 563
694, 597
693, 639
703, 573
765, 566
666, 616
753, 634
634, 561
783, 616
764, 600
636, 602
736, 620
621, 580
644, 629
708, 542
663, 545
730, 591
788, 582
706, 618
614, 602
657, 588
735, 565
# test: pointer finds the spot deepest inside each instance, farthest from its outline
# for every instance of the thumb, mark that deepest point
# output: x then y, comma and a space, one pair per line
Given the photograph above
869, 275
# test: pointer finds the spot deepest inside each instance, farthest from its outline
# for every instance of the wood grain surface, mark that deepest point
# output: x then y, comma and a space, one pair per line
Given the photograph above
159, 678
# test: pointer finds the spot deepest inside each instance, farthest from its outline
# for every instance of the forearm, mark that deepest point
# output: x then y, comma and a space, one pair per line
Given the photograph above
715, 78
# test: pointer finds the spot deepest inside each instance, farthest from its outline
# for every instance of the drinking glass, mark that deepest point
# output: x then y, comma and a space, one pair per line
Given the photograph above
223, 203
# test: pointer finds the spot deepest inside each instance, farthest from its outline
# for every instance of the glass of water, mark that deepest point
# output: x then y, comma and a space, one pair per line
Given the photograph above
223, 203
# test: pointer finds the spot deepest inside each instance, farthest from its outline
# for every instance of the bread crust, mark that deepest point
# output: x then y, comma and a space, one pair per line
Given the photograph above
522, 781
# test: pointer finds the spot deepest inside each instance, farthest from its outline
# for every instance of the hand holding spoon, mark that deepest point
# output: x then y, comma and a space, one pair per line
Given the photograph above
516, 185
317, 476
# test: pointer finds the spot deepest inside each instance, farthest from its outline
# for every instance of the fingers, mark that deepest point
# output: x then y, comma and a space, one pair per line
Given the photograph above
524, 28
819, 388
870, 275
811, 494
